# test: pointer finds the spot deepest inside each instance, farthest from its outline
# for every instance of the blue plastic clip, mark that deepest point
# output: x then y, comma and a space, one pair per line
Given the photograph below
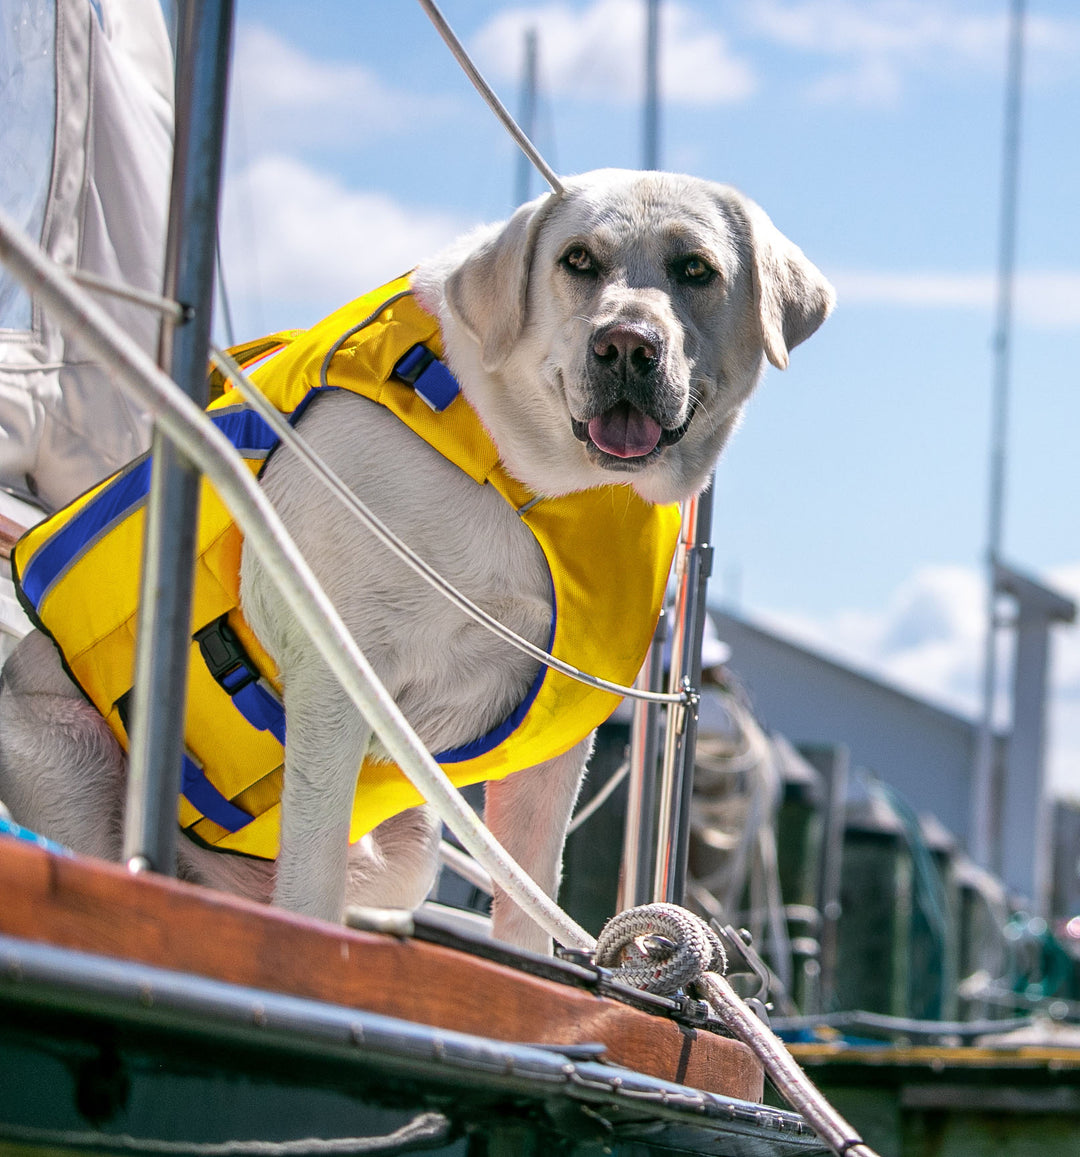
422, 370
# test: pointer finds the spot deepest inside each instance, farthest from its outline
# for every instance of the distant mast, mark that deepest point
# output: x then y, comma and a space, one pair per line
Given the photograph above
527, 115
984, 821
651, 151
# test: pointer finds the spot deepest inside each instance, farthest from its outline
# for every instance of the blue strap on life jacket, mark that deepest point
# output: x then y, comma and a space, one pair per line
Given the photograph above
238, 676
128, 490
422, 370
202, 795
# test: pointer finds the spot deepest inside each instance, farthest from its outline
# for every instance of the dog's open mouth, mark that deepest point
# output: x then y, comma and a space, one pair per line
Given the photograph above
625, 432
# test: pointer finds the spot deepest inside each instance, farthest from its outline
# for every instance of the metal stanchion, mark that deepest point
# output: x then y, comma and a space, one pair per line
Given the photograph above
635, 884
159, 696
693, 567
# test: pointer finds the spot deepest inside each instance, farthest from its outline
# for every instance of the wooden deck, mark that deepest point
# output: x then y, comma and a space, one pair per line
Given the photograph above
100, 908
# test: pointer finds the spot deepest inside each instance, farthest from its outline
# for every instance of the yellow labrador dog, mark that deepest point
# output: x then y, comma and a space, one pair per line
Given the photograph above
609, 335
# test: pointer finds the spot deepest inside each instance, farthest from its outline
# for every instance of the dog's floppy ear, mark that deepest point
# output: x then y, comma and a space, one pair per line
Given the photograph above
487, 292
792, 295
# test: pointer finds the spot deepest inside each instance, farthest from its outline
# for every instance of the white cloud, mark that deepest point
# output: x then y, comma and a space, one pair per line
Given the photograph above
283, 96
925, 289
878, 46
903, 29
928, 639
597, 52
872, 81
297, 243
1048, 300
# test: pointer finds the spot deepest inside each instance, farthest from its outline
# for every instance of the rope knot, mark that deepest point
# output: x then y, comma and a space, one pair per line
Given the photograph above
659, 948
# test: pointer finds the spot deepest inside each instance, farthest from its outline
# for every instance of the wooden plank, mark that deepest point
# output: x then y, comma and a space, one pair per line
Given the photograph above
98, 907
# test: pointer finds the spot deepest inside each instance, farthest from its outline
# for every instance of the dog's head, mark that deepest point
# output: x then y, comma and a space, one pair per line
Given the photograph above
614, 333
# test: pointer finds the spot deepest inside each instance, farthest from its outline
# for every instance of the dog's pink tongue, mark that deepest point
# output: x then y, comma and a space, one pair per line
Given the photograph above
624, 431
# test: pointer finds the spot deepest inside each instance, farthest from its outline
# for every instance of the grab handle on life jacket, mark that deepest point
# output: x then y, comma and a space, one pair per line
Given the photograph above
239, 678
432, 381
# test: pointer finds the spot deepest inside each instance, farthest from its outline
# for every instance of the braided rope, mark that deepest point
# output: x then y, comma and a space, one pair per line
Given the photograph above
659, 948
662, 948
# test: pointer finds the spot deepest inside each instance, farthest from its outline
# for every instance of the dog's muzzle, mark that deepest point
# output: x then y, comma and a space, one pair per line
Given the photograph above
625, 368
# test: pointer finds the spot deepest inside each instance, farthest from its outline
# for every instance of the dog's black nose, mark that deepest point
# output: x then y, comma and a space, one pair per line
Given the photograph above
627, 349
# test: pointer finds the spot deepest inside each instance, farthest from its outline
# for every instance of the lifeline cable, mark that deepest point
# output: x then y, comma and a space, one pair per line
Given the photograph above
294, 442
165, 306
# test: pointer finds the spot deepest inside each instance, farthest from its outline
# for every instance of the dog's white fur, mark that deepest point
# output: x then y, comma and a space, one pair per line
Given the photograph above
526, 309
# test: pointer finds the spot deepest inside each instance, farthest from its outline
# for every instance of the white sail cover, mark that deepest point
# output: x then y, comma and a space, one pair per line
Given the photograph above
86, 118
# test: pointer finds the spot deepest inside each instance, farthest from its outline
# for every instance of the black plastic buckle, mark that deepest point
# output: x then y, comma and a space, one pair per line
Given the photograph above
225, 656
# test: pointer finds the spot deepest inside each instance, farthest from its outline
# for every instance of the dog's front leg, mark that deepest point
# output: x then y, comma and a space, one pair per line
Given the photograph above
528, 813
325, 746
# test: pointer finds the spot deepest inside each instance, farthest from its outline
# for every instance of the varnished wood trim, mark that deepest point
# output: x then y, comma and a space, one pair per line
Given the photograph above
101, 908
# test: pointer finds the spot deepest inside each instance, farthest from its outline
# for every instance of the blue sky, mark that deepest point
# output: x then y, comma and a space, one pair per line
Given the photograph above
851, 506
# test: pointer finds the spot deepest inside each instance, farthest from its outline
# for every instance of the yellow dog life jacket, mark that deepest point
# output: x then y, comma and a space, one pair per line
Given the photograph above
608, 553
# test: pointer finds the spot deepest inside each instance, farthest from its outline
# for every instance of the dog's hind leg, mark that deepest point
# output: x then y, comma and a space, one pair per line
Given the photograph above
528, 813
395, 865
61, 769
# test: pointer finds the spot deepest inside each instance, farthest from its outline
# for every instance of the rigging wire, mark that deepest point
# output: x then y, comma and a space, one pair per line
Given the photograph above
172, 310
223, 292
488, 93
527, 107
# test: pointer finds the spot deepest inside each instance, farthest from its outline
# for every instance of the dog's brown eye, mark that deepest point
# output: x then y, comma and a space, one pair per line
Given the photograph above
580, 260
694, 270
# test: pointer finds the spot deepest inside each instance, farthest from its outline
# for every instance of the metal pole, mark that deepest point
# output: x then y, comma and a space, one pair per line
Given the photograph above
1024, 840
677, 780
834, 765
523, 185
985, 823
635, 885
651, 153
164, 623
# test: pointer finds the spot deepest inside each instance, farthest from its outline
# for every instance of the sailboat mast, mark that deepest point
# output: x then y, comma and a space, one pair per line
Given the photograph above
985, 821
651, 152
527, 115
